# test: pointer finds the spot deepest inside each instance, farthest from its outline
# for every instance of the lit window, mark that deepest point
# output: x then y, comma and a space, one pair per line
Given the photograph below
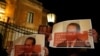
30, 16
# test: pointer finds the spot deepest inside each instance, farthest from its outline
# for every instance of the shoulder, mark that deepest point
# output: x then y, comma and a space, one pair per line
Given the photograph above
35, 54
22, 54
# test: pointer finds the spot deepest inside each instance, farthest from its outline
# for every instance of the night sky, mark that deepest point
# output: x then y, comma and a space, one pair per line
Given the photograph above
68, 10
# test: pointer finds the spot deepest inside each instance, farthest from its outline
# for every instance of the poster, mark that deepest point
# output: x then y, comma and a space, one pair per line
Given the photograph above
31, 45
72, 34
44, 29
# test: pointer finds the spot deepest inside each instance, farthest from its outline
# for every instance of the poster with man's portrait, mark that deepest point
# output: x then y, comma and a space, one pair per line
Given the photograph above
29, 45
72, 34
44, 29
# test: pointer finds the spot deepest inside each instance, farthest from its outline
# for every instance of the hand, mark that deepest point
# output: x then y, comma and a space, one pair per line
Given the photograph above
46, 51
50, 38
87, 43
94, 33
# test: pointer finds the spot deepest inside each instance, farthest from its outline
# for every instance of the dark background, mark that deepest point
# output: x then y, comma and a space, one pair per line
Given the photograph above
72, 9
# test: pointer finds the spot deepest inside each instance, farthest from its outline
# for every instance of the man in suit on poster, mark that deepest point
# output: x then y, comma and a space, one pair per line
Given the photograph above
75, 41
29, 45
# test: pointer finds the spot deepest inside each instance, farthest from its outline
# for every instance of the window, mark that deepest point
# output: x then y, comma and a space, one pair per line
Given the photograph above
30, 16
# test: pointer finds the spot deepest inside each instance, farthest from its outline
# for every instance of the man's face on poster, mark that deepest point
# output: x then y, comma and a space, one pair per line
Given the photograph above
72, 29
28, 45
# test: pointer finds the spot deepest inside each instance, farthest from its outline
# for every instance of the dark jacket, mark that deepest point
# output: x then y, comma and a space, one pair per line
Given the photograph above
3, 52
78, 43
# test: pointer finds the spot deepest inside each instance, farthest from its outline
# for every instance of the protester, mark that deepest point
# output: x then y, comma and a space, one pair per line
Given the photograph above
2, 50
75, 51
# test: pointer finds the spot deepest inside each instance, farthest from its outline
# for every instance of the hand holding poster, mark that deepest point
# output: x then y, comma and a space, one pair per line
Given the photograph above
72, 34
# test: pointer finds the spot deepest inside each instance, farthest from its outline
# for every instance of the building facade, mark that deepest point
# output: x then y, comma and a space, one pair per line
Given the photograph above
29, 14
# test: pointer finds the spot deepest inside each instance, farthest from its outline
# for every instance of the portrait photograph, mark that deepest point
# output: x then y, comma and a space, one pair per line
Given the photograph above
29, 45
72, 34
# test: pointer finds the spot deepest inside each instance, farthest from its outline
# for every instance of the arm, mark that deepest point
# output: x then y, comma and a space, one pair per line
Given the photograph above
46, 51
94, 33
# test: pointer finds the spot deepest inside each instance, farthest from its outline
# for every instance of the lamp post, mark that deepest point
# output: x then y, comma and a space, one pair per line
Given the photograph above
51, 17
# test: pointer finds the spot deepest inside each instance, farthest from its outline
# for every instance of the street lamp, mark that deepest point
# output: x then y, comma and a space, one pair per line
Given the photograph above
51, 17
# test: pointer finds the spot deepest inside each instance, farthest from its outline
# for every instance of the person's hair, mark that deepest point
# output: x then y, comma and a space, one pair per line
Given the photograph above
75, 24
33, 40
